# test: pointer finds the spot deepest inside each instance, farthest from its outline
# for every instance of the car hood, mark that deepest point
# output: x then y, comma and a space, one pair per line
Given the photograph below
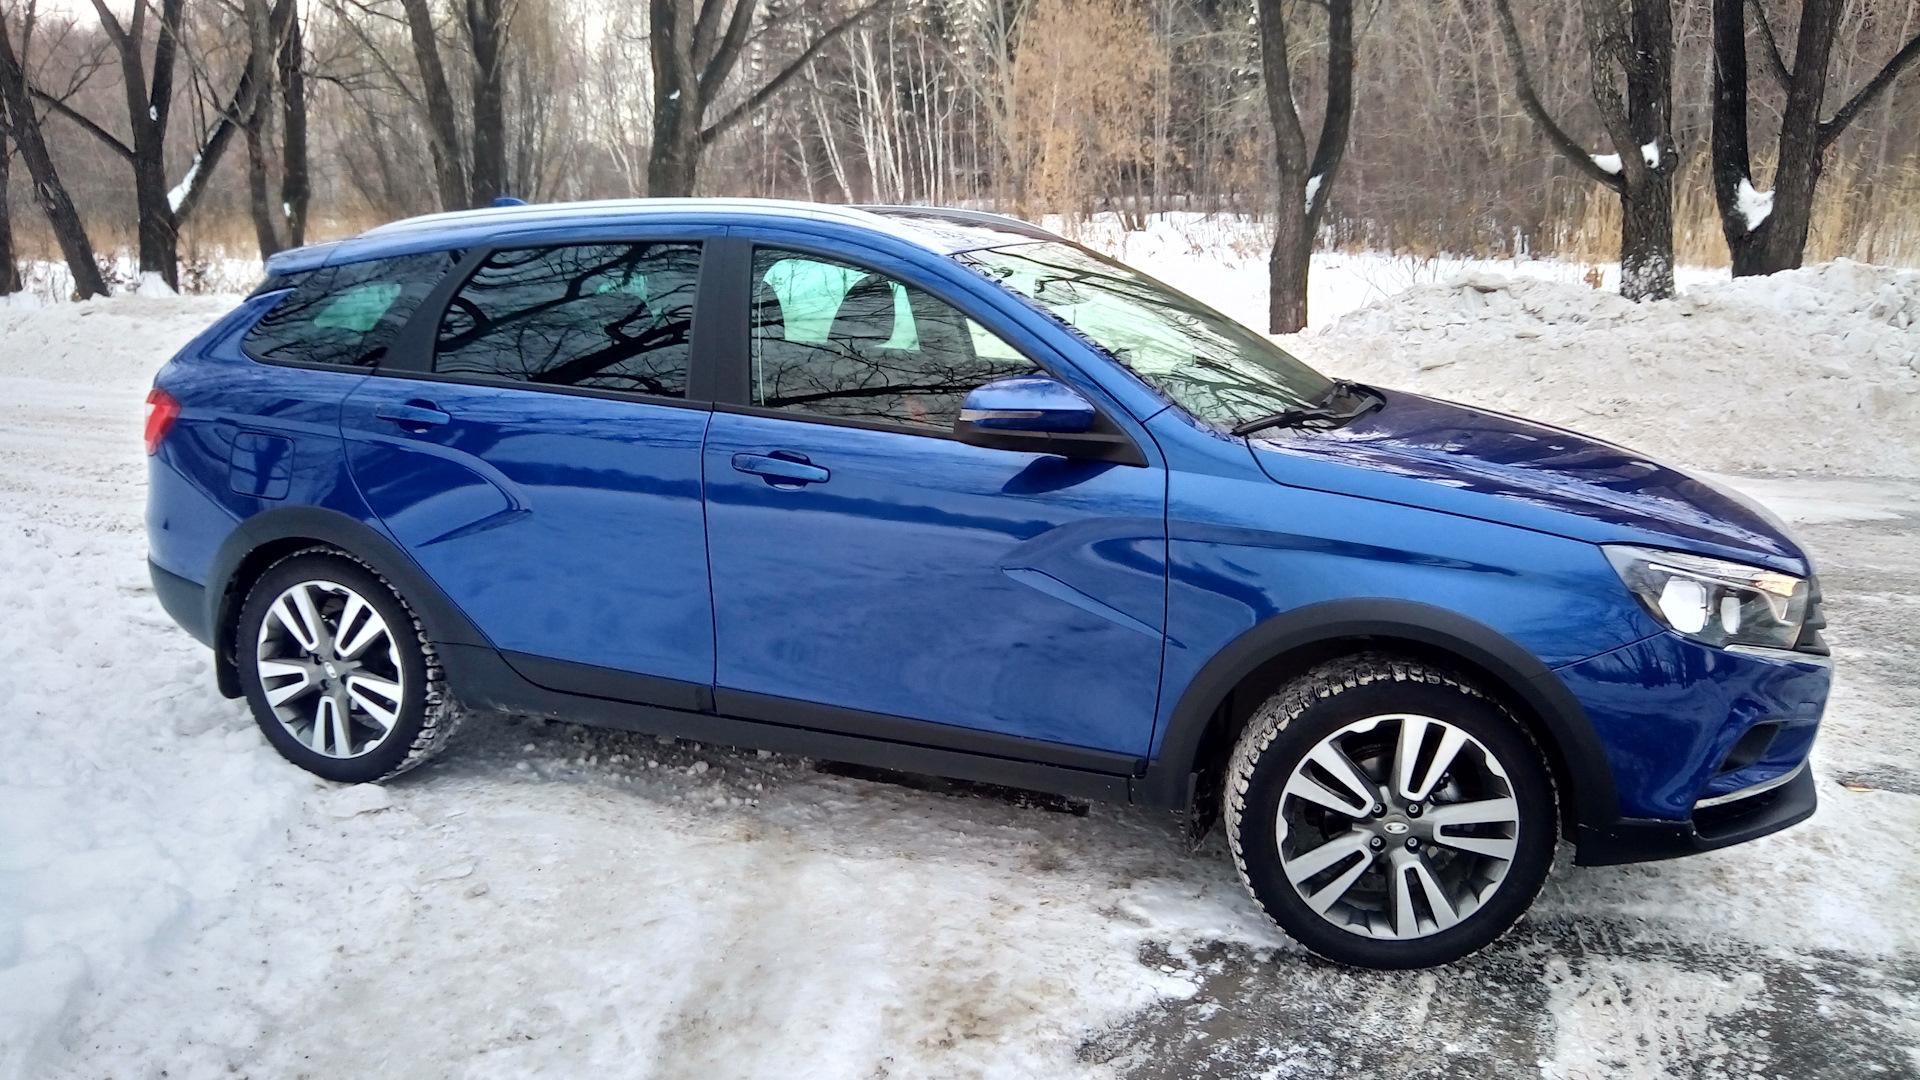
1454, 458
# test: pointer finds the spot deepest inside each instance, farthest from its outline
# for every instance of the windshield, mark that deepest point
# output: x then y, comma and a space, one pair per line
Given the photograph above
1212, 366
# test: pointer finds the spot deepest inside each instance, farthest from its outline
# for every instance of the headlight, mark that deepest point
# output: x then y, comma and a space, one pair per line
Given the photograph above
1712, 600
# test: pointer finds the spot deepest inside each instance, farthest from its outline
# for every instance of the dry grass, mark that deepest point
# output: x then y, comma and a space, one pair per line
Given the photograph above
1872, 222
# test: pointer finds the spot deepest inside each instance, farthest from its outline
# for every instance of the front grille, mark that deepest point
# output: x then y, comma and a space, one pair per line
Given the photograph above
1810, 640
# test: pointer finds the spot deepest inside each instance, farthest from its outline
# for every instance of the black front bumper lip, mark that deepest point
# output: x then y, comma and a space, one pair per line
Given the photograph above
1630, 840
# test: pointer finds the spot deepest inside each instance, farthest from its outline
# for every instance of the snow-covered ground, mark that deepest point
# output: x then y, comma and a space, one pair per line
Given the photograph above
555, 901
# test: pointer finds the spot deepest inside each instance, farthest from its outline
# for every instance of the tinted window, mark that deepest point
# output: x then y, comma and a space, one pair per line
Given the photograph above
612, 316
837, 340
349, 314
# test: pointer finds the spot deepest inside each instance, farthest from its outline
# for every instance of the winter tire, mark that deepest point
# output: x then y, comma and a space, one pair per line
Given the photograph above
341, 679
1386, 814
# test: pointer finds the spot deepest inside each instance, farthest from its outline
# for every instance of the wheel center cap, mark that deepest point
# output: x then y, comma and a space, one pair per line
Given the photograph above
332, 672
1397, 828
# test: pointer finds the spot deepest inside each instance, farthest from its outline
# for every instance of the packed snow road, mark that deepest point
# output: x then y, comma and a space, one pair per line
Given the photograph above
556, 901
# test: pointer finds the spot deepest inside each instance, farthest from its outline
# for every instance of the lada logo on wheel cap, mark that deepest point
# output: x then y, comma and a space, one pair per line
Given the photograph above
1396, 827
331, 673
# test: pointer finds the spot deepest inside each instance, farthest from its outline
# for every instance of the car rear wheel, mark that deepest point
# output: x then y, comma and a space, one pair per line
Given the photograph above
1387, 814
340, 678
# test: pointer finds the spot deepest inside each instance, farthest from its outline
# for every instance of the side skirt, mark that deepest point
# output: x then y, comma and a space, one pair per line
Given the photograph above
485, 681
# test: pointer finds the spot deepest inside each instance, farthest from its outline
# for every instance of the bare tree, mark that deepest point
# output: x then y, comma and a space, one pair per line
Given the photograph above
1630, 42
9, 267
1767, 232
696, 46
24, 124
148, 88
1303, 183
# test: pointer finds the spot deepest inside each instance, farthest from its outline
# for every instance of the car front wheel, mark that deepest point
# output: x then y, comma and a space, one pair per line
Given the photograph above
1387, 814
338, 674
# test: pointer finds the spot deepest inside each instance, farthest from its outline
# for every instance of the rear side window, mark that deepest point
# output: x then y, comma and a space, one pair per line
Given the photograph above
606, 316
346, 315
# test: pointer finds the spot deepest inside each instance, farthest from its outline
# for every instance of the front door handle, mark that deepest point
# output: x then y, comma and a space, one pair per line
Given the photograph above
782, 467
414, 416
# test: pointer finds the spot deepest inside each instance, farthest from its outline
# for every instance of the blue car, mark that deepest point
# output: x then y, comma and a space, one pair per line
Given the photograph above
941, 492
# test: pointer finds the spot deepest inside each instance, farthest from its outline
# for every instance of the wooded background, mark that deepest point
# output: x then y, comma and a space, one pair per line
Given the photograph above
321, 117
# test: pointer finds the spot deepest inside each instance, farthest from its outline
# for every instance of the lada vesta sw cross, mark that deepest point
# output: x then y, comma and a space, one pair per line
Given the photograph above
942, 492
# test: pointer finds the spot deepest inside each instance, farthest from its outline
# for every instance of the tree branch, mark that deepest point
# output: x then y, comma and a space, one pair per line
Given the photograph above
1775, 62
1876, 86
720, 65
86, 125
774, 85
1334, 127
1530, 102
1276, 74
246, 96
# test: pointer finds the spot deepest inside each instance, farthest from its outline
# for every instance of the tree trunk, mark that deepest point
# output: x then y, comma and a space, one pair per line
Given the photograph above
259, 199
260, 75
9, 268
1646, 202
1303, 184
1732, 159
1289, 264
48, 191
486, 27
1778, 240
296, 185
673, 161
448, 173
147, 109
1646, 238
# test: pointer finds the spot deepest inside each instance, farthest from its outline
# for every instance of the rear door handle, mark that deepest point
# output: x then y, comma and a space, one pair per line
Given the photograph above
413, 416
782, 467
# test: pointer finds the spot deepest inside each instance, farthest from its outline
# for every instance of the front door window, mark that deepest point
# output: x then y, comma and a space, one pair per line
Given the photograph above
832, 339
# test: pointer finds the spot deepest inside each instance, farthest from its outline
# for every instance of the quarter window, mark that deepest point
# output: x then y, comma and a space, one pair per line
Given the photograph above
346, 315
836, 340
609, 316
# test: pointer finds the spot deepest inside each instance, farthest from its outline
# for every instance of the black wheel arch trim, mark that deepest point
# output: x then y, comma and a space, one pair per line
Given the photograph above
442, 620
1582, 761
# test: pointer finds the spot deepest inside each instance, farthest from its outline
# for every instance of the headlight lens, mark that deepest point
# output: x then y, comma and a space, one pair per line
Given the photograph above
1712, 600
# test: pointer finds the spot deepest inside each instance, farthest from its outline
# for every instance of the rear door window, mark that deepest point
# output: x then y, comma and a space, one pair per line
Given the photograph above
604, 316
346, 316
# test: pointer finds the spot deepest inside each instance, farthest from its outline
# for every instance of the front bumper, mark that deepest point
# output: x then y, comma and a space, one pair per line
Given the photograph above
1704, 744
1630, 840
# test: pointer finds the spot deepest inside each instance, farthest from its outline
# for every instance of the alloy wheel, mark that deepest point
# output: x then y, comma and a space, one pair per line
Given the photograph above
1397, 826
330, 669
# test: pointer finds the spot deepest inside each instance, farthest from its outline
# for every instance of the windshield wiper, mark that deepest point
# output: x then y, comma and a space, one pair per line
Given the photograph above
1319, 410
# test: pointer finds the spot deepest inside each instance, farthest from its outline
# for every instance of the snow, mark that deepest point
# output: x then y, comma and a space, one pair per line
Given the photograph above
1610, 163
1814, 370
1754, 206
179, 193
1811, 370
1313, 188
549, 900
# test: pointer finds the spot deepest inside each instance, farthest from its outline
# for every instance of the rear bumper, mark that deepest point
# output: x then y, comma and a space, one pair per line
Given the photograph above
1643, 840
185, 600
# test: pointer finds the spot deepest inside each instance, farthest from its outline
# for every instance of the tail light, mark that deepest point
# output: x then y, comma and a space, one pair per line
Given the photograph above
162, 411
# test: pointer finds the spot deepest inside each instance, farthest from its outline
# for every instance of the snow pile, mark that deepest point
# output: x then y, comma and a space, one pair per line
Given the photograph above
1222, 259
130, 800
1814, 370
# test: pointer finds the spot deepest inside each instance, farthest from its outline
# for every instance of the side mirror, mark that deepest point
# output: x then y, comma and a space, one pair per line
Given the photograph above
1029, 403
1038, 414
